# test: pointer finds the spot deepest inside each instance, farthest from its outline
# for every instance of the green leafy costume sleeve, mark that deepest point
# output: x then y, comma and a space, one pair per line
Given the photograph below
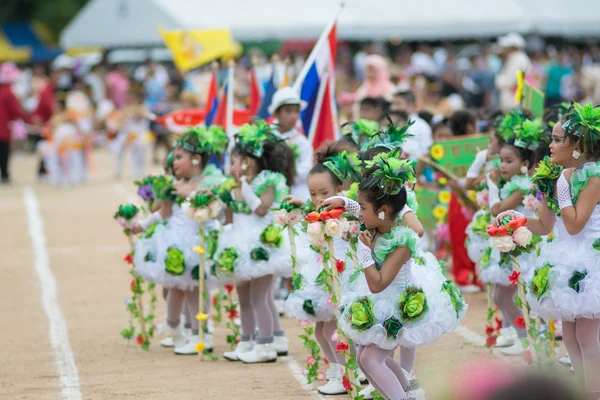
261, 183
581, 176
211, 176
400, 236
411, 200
517, 182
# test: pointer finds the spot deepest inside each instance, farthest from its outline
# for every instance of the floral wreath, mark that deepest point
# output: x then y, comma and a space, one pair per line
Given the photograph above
344, 166
529, 133
252, 137
392, 136
389, 173
583, 121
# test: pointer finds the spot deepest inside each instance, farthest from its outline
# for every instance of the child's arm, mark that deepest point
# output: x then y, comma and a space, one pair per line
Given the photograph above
294, 200
576, 216
496, 205
259, 205
339, 201
412, 221
475, 170
380, 280
165, 211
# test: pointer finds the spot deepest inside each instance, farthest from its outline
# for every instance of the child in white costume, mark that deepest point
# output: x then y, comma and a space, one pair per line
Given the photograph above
566, 281
252, 250
167, 257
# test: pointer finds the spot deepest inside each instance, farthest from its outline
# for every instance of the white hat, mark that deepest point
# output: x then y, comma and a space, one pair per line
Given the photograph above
512, 40
283, 96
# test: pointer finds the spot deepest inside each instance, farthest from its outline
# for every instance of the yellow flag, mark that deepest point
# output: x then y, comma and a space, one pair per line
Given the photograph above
286, 79
193, 49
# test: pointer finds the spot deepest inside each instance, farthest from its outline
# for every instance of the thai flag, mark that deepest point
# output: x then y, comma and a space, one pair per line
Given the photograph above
212, 100
263, 111
255, 93
316, 85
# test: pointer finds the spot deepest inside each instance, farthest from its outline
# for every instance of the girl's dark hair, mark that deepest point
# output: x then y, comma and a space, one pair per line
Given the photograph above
583, 145
370, 154
524, 154
459, 121
540, 152
326, 151
378, 198
277, 157
347, 141
438, 125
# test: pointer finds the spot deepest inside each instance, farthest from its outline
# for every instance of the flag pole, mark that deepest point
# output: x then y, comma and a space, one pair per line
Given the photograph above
230, 98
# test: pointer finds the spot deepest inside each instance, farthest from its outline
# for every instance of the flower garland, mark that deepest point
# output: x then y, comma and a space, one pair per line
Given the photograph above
492, 331
311, 372
544, 177
231, 308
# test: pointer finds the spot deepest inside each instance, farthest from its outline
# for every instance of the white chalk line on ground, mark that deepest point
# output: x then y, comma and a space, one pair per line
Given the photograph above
59, 337
296, 371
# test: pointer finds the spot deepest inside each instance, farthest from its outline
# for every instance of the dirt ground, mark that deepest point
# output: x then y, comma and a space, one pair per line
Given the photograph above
85, 250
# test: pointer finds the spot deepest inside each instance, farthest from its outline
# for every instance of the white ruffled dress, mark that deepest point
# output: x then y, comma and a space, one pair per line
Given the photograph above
492, 270
244, 252
165, 254
415, 309
566, 279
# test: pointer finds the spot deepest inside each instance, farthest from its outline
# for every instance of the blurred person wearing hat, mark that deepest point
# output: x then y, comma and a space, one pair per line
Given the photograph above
418, 144
515, 59
10, 110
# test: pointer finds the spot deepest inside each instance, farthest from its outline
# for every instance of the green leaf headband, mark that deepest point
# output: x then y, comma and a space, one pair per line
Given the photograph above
389, 173
505, 126
583, 121
362, 131
392, 136
195, 140
252, 137
528, 134
170, 161
344, 166
218, 139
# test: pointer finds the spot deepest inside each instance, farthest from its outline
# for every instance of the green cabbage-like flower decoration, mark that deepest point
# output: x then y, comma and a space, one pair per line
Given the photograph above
361, 316
392, 327
252, 137
345, 166
584, 121
151, 229
162, 187
309, 307
175, 261
544, 177
259, 254
479, 226
419, 260
389, 173
225, 262
529, 133
539, 284
271, 236
457, 300
575, 279
126, 211
596, 244
413, 305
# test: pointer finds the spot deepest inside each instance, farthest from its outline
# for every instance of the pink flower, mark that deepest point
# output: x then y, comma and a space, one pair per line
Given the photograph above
311, 361
483, 198
335, 337
321, 376
123, 222
531, 203
280, 217
442, 232
304, 324
329, 301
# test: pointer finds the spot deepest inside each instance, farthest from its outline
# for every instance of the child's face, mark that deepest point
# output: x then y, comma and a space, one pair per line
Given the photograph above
370, 113
287, 115
321, 187
561, 147
368, 215
442, 133
494, 147
510, 163
236, 165
182, 166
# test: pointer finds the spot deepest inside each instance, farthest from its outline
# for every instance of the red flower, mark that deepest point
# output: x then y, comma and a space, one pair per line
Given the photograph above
490, 341
214, 300
128, 259
346, 383
489, 330
520, 323
502, 231
132, 285
514, 278
229, 288
337, 212
522, 221
492, 230
214, 317
339, 264
312, 217
527, 357
233, 314
341, 346
498, 323
139, 340
325, 215
514, 224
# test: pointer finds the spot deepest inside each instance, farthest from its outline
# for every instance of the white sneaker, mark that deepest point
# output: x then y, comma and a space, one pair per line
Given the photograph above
208, 342
168, 341
469, 289
177, 335
261, 353
566, 360
333, 387
514, 350
507, 337
188, 348
279, 304
242, 347
280, 343
366, 392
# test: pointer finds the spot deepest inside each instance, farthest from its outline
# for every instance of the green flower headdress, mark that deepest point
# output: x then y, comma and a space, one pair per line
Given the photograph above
344, 166
505, 126
392, 136
170, 161
529, 133
203, 140
583, 121
362, 131
218, 139
252, 137
389, 173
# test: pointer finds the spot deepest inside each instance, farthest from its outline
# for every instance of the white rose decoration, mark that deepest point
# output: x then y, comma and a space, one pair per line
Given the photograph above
522, 236
314, 234
504, 244
344, 226
201, 215
294, 216
187, 210
215, 209
333, 228
280, 217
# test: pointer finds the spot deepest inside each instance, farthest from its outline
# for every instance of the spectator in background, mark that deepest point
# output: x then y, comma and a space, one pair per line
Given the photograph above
515, 60
360, 60
419, 143
94, 80
117, 84
377, 81
371, 108
557, 70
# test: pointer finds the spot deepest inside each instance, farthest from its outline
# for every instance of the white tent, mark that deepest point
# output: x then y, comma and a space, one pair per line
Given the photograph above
119, 23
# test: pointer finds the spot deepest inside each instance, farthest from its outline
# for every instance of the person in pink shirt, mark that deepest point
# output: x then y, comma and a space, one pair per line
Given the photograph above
117, 84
